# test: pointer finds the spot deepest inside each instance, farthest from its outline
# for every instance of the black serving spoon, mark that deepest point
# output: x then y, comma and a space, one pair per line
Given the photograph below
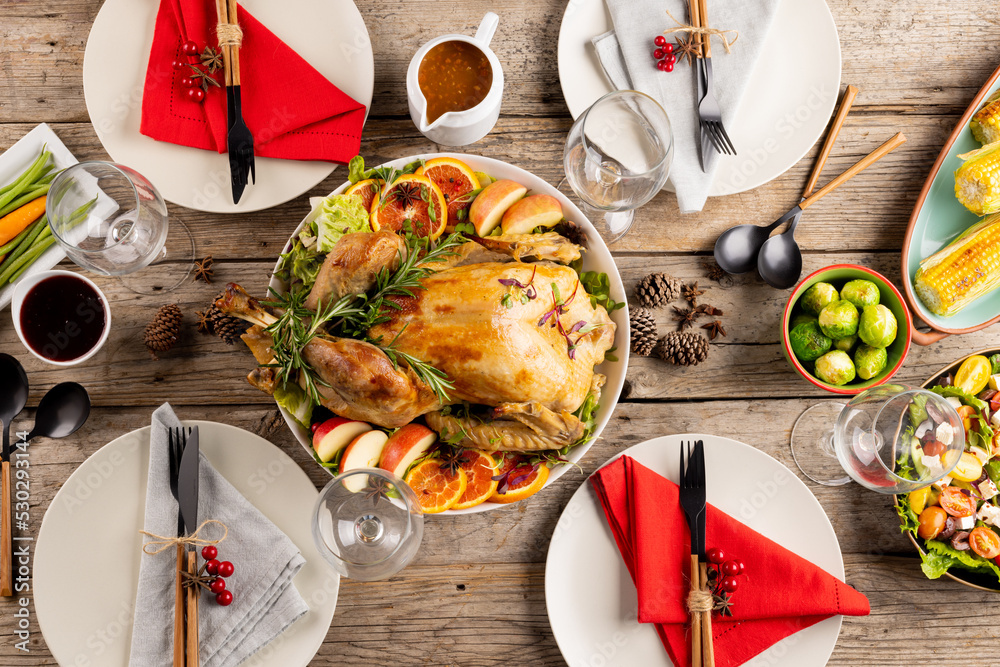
13, 397
62, 410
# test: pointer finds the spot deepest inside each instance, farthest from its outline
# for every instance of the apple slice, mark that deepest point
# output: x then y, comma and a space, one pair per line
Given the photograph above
363, 452
489, 205
404, 447
334, 434
534, 211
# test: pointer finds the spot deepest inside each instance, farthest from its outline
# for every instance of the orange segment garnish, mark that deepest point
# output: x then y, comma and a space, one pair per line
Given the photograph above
437, 489
479, 470
366, 189
522, 481
456, 180
414, 198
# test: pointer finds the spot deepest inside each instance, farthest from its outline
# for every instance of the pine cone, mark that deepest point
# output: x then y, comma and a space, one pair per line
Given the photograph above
228, 328
682, 348
658, 289
162, 332
643, 330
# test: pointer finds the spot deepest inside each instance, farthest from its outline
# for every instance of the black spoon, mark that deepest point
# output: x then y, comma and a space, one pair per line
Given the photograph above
13, 397
62, 410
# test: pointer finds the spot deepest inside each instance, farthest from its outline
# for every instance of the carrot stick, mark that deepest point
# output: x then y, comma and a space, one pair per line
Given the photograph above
18, 220
35, 193
4, 249
25, 244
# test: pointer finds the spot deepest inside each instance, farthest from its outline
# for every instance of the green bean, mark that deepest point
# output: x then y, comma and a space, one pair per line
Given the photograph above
18, 267
24, 199
25, 244
26, 179
13, 243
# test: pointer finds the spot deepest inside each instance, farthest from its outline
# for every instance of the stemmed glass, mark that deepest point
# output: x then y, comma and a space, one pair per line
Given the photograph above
367, 524
890, 439
617, 157
111, 220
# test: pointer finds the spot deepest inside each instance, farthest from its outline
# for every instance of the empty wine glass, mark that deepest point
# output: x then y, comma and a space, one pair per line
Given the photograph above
617, 157
111, 220
367, 524
890, 438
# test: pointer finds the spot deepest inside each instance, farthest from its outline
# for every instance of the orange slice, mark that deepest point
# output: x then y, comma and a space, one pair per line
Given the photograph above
437, 489
455, 179
522, 481
479, 468
366, 189
414, 198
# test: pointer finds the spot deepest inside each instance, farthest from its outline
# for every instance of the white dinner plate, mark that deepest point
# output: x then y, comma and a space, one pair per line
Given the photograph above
13, 162
590, 597
597, 258
788, 100
329, 34
88, 549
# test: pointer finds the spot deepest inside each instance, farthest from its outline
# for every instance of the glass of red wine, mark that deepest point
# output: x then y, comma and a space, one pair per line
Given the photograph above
111, 220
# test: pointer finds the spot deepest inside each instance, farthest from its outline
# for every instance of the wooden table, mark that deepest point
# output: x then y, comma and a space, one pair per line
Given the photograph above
475, 593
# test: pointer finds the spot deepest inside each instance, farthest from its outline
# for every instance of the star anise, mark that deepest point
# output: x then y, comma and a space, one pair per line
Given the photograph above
408, 194
685, 317
711, 311
203, 269
686, 48
691, 293
377, 489
715, 272
450, 459
211, 59
204, 322
714, 329
723, 604
203, 78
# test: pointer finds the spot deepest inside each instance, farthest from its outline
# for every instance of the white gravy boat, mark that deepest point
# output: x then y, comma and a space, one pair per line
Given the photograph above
458, 128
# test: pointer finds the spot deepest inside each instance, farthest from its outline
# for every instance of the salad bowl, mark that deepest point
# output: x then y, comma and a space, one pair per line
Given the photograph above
984, 581
937, 218
597, 258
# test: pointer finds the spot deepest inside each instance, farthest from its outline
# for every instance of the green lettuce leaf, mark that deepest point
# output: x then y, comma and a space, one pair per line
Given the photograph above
294, 399
339, 215
908, 520
598, 287
939, 558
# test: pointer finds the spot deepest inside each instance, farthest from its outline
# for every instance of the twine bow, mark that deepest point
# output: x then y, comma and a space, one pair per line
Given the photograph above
161, 543
700, 601
230, 34
709, 32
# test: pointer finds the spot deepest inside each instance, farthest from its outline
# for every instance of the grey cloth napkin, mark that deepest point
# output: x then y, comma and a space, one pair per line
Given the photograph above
265, 601
626, 54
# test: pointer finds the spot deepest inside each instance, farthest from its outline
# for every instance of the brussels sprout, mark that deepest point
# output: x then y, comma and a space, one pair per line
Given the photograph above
870, 361
817, 297
839, 319
877, 327
845, 344
835, 368
861, 293
803, 318
808, 342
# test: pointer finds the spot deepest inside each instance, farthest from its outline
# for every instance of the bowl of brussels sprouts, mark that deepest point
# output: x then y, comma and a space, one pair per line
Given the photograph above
845, 329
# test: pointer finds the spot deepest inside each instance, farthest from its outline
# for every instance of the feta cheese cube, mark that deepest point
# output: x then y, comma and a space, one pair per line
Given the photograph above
945, 434
989, 513
995, 420
955, 401
941, 483
994, 382
966, 522
980, 453
987, 489
933, 464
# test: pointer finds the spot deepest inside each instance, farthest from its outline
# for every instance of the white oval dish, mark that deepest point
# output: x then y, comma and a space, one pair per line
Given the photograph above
597, 258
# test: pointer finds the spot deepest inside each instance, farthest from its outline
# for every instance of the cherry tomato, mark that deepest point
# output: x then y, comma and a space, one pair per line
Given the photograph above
984, 542
716, 556
226, 569
218, 585
933, 448
212, 567
932, 522
956, 503
225, 598
730, 584
995, 403
209, 552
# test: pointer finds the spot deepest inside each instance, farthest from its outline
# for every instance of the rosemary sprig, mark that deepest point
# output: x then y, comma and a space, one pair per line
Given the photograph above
433, 377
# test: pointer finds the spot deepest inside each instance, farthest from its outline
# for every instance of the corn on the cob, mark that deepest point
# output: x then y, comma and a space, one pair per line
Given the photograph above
965, 269
985, 124
977, 181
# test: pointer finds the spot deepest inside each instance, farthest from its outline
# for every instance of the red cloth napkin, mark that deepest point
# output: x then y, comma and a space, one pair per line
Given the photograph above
780, 593
292, 110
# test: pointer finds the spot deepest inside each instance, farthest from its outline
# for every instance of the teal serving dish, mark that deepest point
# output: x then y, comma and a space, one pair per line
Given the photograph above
936, 220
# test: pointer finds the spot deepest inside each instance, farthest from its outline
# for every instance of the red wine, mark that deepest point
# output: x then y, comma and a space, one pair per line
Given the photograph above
62, 318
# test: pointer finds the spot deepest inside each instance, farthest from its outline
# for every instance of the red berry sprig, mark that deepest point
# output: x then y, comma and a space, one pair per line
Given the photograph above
722, 579
663, 54
217, 572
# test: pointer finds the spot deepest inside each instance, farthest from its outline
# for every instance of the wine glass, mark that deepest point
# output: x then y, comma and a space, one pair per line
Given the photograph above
617, 157
890, 439
111, 220
367, 524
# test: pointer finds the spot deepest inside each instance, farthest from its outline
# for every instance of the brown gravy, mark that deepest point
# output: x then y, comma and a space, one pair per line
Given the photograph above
454, 76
